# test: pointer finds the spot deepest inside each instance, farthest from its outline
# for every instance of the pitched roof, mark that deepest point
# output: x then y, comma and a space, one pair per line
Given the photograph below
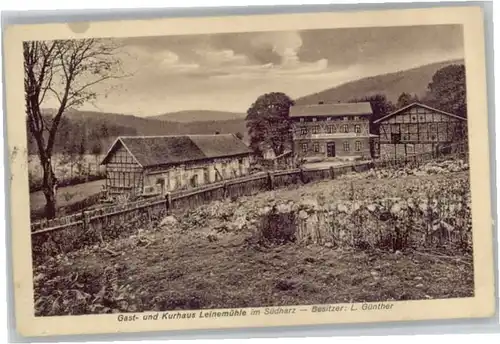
332, 110
419, 105
164, 150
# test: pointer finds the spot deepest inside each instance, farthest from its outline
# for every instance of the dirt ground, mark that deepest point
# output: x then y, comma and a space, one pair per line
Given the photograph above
188, 269
193, 274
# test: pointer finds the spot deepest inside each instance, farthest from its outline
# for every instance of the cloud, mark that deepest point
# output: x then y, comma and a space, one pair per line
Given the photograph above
222, 57
285, 44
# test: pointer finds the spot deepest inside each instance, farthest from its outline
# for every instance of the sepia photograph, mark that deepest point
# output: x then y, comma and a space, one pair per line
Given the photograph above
218, 175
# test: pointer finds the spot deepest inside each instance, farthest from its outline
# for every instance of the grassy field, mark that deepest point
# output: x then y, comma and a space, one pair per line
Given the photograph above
67, 195
208, 261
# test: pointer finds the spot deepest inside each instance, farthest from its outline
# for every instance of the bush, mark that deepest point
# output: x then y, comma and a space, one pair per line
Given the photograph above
277, 228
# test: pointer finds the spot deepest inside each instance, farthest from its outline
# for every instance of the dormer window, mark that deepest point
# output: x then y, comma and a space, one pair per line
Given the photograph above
357, 129
345, 128
328, 118
301, 119
314, 119
346, 118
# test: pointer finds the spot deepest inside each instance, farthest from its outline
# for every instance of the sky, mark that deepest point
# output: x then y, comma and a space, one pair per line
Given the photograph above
229, 71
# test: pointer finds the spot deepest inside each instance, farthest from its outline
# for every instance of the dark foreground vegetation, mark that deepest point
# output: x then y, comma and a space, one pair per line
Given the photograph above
225, 255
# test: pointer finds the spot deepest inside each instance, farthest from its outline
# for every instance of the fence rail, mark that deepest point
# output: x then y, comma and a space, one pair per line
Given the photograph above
88, 227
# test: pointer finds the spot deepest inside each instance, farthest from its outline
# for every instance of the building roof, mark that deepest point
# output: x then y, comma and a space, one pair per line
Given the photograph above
331, 110
419, 105
165, 150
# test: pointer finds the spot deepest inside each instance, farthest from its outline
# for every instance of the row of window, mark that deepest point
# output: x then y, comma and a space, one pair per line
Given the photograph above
347, 147
345, 118
124, 179
423, 116
397, 137
422, 127
330, 129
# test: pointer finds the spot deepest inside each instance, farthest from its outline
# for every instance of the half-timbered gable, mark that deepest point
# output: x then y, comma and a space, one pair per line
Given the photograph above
123, 172
418, 128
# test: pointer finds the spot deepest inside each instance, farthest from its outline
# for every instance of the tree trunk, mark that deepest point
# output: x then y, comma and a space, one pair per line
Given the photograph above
49, 189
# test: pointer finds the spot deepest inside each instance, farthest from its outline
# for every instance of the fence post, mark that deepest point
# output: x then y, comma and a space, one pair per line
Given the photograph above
270, 180
302, 176
85, 220
168, 202
332, 172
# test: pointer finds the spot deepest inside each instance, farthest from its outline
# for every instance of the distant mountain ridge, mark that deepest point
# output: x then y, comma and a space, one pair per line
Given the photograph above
90, 124
187, 116
412, 81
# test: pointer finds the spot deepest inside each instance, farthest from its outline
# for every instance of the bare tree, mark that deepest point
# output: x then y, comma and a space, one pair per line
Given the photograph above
65, 71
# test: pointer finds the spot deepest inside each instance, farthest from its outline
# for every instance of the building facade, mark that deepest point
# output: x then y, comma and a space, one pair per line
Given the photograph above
332, 131
418, 128
142, 165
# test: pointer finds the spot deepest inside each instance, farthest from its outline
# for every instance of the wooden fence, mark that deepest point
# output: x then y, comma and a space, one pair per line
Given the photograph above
93, 226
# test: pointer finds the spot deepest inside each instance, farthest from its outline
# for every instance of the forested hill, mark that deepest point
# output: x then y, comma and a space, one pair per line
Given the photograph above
413, 81
87, 131
189, 116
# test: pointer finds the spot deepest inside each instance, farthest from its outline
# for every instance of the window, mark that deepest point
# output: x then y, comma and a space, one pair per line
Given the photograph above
358, 146
194, 181
345, 128
304, 147
395, 137
301, 119
328, 118
206, 174
303, 131
346, 146
345, 118
330, 129
357, 128
316, 147
315, 129
314, 119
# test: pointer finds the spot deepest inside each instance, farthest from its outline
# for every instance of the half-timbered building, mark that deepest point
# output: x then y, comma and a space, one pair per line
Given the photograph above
140, 165
332, 131
418, 128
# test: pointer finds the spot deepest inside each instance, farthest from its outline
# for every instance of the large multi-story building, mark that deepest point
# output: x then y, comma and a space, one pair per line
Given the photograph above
332, 131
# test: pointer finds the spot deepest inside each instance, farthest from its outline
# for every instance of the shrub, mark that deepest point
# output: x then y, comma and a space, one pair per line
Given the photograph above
277, 228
